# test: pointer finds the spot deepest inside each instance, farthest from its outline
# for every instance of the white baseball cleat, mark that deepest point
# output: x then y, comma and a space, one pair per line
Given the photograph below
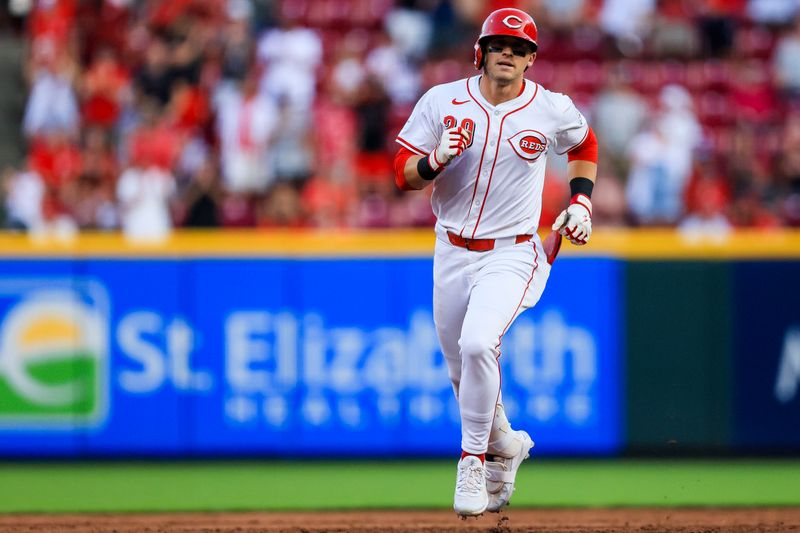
470, 497
502, 471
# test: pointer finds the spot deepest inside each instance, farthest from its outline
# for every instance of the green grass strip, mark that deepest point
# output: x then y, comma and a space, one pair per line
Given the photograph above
307, 485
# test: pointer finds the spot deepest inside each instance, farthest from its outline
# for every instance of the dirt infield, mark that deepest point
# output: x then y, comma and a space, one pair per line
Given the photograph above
513, 520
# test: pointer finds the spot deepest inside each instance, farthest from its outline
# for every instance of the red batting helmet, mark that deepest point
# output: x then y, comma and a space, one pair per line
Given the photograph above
506, 21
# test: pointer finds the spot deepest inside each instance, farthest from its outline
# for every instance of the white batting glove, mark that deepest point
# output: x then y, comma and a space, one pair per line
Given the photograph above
453, 143
575, 222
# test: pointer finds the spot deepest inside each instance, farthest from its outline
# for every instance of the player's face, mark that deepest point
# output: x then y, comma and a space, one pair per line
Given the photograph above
507, 58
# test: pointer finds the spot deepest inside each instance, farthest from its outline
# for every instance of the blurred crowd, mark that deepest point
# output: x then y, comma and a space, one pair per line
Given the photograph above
147, 115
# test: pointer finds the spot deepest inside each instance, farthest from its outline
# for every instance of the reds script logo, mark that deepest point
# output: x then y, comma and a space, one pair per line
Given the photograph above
529, 144
513, 25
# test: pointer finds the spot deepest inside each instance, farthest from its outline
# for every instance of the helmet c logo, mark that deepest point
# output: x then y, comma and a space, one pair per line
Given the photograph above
508, 21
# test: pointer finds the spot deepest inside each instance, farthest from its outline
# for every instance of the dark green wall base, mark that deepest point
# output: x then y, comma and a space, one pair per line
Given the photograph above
678, 355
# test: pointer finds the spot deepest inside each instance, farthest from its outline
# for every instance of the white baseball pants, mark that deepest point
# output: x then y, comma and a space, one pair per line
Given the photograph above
476, 298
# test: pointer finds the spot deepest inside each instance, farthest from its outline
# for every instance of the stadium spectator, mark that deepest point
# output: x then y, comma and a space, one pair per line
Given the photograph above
237, 43
23, 191
661, 160
347, 71
144, 192
238, 210
198, 204
790, 170
707, 196
246, 121
752, 96
410, 28
154, 140
786, 62
772, 11
104, 88
102, 24
651, 197
790, 205
56, 221
281, 208
289, 57
51, 26
56, 158
673, 33
619, 113
329, 201
248, 105
563, 15
154, 78
708, 219
717, 21
754, 194
677, 121
91, 198
387, 62
293, 144
53, 104
628, 21
335, 133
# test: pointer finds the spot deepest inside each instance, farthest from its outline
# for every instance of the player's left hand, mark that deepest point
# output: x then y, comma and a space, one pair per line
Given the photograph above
575, 222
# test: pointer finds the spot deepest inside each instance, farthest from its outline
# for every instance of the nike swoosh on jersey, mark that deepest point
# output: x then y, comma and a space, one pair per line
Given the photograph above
456, 102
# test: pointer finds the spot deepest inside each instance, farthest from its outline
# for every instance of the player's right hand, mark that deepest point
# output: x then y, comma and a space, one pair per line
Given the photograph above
453, 143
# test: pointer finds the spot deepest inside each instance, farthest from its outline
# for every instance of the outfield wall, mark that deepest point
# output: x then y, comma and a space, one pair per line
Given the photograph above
713, 355
314, 344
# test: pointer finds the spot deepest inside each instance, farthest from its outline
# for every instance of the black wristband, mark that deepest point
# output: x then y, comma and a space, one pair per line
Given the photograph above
425, 171
581, 186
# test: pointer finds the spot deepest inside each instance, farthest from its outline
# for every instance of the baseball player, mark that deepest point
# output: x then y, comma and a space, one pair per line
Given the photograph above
481, 142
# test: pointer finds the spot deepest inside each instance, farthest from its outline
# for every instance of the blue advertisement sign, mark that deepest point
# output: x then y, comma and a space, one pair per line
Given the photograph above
299, 357
767, 347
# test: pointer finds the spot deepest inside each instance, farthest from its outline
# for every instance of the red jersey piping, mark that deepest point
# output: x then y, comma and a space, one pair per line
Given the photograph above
578, 143
480, 163
410, 146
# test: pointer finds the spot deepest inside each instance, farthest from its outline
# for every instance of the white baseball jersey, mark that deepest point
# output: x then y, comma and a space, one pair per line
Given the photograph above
493, 189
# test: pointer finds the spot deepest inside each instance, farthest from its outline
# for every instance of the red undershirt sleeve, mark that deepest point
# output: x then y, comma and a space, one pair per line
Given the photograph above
586, 151
399, 169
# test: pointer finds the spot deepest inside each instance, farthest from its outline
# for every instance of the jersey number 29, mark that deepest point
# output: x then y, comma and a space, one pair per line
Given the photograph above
467, 123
